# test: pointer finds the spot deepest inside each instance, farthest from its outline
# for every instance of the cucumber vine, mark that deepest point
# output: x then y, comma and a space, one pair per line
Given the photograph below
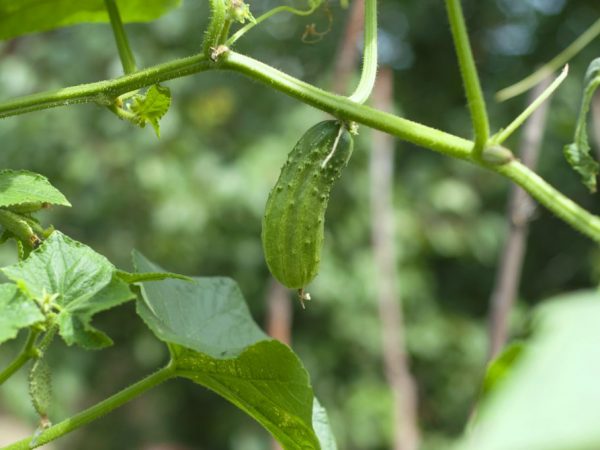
53, 296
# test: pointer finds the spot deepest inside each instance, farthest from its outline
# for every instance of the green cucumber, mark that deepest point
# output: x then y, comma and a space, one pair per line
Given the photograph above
293, 224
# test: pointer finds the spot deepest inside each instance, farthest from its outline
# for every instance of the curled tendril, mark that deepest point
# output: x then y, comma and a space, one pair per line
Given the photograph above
313, 6
311, 35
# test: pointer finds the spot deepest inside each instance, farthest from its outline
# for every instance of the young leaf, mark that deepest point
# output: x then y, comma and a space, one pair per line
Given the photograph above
22, 17
21, 187
151, 107
550, 398
16, 312
73, 281
578, 152
215, 343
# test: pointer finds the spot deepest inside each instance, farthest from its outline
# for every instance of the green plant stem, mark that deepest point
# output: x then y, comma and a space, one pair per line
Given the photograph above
338, 106
466, 62
344, 108
125, 53
96, 411
545, 194
549, 68
505, 133
369, 66
214, 31
105, 92
26, 353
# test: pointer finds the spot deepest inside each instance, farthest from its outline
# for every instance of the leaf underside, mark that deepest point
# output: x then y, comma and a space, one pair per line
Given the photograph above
215, 343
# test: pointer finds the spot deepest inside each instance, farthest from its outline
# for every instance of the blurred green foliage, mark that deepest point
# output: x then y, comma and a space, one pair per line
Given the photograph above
194, 199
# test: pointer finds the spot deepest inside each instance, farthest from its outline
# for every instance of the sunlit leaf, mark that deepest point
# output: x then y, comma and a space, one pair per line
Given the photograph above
19, 17
19, 187
76, 282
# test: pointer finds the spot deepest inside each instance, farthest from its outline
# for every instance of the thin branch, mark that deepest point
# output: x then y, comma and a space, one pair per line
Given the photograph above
505, 133
369, 66
26, 353
468, 71
279, 9
125, 53
94, 412
549, 68
104, 92
397, 369
520, 210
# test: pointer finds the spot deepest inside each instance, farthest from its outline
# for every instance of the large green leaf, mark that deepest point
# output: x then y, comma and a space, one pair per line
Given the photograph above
578, 153
16, 312
76, 281
550, 398
19, 17
19, 187
215, 343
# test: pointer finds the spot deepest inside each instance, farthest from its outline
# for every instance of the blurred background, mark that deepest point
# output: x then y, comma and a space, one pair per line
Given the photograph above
193, 202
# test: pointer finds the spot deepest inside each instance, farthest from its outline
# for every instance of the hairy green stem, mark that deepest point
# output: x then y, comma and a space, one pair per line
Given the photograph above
369, 66
104, 92
125, 53
466, 62
18, 226
549, 68
26, 353
345, 108
95, 412
338, 106
561, 206
214, 31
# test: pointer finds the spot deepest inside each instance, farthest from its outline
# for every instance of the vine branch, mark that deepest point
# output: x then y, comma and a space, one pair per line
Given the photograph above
468, 71
104, 92
369, 66
94, 412
26, 353
125, 53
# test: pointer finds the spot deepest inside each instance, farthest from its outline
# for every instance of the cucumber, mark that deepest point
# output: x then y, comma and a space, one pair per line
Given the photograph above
293, 224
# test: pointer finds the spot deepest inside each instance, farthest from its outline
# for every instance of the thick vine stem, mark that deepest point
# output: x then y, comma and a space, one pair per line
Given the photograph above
468, 71
96, 411
125, 53
544, 193
26, 353
105, 92
214, 33
339, 106
369, 66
